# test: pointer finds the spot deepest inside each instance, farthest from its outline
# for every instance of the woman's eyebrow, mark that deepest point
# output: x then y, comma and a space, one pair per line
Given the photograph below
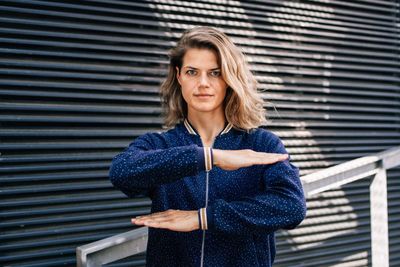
190, 67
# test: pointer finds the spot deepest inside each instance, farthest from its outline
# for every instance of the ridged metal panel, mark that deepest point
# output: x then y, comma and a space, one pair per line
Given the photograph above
79, 81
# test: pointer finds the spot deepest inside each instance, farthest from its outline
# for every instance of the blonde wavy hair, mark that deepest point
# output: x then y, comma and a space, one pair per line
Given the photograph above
243, 104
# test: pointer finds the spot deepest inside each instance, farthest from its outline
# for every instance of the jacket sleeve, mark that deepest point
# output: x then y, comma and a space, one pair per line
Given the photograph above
142, 166
280, 204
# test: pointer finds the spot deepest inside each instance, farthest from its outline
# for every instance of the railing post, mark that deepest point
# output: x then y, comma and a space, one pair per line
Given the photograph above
379, 220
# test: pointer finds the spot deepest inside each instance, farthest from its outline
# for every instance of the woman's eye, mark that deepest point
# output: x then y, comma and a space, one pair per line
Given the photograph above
215, 73
191, 72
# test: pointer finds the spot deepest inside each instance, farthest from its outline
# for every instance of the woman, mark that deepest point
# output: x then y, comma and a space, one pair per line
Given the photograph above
220, 186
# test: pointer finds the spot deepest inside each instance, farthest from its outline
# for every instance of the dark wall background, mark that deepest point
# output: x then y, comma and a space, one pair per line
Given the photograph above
79, 81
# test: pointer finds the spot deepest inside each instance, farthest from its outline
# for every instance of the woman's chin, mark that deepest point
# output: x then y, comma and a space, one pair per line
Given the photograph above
204, 108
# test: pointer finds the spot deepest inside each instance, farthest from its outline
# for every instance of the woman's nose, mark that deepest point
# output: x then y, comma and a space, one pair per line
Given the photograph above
204, 80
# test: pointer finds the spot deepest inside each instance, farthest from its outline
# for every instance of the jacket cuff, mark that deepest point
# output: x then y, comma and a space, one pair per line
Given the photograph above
199, 218
206, 218
210, 217
203, 219
205, 158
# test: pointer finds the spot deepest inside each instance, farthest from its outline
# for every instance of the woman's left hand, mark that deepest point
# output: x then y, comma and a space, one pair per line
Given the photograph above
175, 220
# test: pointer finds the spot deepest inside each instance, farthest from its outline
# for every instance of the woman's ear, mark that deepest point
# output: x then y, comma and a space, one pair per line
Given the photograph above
178, 75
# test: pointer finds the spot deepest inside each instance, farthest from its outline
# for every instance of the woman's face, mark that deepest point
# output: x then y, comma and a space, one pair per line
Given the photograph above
203, 87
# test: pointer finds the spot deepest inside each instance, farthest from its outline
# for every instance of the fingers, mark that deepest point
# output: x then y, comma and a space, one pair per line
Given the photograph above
158, 214
155, 223
175, 220
269, 158
156, 218
151, 221
234, 159
280, 157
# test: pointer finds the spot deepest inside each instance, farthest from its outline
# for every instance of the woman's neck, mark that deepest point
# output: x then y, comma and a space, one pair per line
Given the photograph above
208, 125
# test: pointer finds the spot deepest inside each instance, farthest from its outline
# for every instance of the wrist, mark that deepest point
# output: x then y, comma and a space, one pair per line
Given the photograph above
216, 156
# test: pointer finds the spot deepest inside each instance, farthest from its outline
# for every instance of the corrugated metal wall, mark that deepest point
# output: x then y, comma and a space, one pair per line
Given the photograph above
79, 81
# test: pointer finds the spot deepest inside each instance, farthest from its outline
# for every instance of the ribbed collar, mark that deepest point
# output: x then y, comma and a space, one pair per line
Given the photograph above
191, 129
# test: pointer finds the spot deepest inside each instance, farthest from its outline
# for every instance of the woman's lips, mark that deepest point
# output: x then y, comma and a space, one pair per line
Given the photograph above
203, 95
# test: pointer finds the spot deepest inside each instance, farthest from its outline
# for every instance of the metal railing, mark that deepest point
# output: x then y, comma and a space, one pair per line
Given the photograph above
134, 242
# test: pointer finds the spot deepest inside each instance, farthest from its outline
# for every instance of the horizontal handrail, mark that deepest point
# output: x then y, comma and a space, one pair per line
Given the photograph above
350, 171
134, 242
112, 248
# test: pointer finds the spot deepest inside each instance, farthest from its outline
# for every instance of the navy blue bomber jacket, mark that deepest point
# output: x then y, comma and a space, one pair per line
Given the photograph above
244, 208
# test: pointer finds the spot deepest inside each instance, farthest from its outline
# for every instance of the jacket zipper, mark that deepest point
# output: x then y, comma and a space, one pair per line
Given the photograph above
206, 205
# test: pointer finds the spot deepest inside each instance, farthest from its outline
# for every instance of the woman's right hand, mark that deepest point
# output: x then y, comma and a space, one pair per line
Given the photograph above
234, 159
